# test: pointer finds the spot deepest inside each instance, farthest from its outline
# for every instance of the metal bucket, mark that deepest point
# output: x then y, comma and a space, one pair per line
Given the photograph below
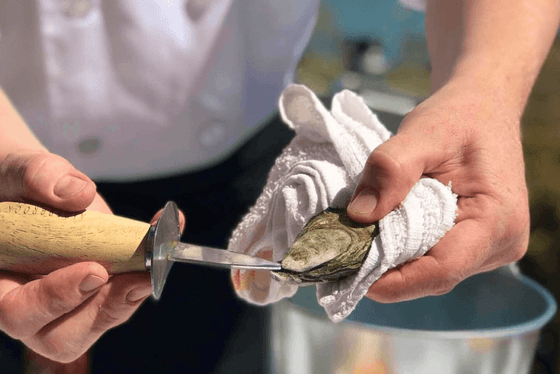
490, 323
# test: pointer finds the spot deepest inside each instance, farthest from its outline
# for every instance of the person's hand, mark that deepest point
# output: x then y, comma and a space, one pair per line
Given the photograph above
473, 141
63, 313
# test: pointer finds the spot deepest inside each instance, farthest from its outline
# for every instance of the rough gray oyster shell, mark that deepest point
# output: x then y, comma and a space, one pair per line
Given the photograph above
331, 246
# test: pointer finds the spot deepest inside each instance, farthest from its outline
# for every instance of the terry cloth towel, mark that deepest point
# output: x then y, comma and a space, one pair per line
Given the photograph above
319, 169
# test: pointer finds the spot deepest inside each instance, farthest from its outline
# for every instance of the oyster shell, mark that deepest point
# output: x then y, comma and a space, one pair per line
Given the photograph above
331, 246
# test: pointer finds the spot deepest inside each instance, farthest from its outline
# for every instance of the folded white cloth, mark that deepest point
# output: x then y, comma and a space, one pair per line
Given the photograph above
319, 169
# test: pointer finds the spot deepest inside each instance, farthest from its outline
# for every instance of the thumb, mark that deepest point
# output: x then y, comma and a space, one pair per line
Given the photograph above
45, 179
26, 309
390, 172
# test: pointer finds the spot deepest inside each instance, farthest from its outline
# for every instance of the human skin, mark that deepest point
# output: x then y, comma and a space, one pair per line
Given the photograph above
485, 56
60, 315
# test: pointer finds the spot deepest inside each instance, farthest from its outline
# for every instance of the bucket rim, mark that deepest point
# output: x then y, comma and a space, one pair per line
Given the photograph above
533, 325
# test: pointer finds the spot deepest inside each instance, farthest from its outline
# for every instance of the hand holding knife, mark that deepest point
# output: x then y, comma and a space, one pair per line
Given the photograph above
36, 241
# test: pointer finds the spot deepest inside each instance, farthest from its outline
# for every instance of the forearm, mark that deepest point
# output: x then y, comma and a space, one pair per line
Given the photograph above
496, 46
14, 133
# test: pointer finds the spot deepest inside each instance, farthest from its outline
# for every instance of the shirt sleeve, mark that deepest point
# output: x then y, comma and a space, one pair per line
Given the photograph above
419, 5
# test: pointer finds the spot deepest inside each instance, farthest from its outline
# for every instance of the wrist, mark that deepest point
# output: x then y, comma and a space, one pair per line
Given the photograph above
465, 108
495, 94
496, 46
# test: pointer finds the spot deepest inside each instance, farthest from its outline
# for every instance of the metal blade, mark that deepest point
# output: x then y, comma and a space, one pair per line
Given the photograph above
191, 253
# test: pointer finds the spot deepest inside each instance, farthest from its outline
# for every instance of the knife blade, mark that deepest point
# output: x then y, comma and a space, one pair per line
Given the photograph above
196, 254
37, 241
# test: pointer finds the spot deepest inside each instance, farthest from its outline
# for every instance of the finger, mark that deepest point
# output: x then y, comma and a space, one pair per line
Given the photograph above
428, 142
45, 179
456, 256
26, 309
100, 205
70, 336
389, 174
181, 219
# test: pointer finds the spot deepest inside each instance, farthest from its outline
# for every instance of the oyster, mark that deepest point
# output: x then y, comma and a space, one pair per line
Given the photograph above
331, 246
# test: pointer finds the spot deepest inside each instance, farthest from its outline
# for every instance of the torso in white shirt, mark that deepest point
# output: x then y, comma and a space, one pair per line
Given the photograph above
138, 89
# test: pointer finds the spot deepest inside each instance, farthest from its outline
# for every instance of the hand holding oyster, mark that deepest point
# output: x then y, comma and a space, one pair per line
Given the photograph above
318, 169
330, 247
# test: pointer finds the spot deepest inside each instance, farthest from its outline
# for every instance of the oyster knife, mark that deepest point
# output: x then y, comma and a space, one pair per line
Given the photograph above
36, 241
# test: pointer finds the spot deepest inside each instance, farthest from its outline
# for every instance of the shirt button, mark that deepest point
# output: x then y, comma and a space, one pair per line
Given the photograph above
212, 134
89, 146
196, 8
76, 8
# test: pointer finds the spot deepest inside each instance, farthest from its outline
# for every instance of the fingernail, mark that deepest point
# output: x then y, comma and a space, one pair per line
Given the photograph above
69, 185
364, 203
138, 294
90, 283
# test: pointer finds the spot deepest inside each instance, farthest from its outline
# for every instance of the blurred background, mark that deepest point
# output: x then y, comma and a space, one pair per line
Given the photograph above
378, 49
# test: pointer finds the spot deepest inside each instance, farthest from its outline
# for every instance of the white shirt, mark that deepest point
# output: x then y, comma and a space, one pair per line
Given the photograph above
419, 5
133, 89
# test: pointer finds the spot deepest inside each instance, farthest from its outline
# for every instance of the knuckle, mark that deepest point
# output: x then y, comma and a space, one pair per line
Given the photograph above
35, 164
12, 321
110, 316
389, 178
447, 283
12, 326
59, 350
382, 161
54, 302
17, 171
522, 244
65, 357
516, 238
11, 177
444, 288
520, 219
389, 170
58, 306
520, 251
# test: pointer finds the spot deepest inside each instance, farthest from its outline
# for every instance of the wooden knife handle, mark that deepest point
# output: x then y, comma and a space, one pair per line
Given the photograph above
36, 241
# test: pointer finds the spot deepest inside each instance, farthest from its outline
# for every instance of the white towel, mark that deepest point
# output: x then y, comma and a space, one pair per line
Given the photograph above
319, 169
